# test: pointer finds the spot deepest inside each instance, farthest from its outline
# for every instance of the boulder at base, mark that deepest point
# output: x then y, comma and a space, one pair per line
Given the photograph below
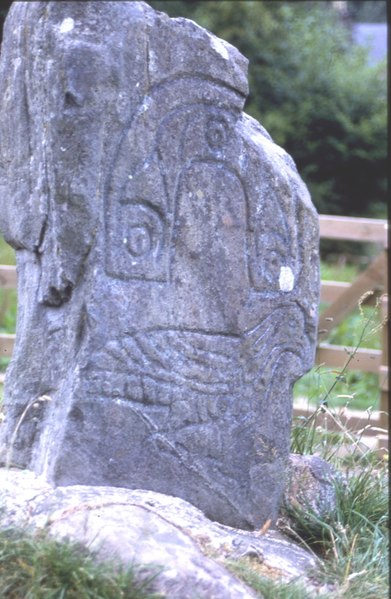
152, 529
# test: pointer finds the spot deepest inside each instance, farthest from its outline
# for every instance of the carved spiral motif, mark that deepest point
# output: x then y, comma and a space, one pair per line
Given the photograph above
216, 133
142, 230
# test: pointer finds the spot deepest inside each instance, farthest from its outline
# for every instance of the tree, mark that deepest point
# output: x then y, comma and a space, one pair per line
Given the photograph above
367, 11
3, 13
313, 91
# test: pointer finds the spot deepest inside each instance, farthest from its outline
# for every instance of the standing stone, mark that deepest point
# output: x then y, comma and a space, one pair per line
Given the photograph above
167, 260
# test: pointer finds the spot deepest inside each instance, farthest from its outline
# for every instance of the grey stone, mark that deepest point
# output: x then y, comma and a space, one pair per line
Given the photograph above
152, 529
167, 261
311, 485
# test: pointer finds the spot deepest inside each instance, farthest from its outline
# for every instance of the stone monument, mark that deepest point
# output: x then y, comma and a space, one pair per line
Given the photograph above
167, 261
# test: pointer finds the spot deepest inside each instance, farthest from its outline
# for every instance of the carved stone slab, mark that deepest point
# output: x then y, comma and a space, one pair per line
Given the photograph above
167, 260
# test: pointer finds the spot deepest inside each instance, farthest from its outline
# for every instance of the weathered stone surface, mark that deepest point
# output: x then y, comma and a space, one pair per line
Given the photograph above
167, 260
151, 528
311, 485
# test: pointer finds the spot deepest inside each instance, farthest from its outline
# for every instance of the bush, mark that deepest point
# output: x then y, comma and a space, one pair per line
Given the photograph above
313, 91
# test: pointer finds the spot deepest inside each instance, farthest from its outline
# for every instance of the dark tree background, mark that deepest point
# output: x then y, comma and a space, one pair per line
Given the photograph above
312, 89
3, 13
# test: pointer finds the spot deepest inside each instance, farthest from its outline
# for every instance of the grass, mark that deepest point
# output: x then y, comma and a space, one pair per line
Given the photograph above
38, 567
7, 253
7, 304
352, 541
357, 390
334, 271
268, 588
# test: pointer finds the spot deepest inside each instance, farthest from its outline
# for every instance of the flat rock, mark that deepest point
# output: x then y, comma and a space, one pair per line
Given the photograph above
152, 529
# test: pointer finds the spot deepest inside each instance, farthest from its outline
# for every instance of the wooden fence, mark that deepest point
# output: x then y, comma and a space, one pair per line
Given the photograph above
342, 299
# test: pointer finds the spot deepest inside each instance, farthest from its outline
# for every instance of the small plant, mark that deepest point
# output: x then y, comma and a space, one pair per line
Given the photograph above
353, 539
262, 582
361, 328
34, 566
34, 403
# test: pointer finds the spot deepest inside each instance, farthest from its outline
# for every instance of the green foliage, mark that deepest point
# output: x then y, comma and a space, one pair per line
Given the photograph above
313, 91
367, 11
351, 388
344, 271
267, 588
353, 539
7, 302
7, 310
349, 331
7, 254
8, 306
354, 389
37, 567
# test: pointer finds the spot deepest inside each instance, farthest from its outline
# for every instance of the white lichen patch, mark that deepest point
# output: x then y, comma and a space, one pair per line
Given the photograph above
67, 25
152, 61
286, 279
257, 137
220, 48
145, 105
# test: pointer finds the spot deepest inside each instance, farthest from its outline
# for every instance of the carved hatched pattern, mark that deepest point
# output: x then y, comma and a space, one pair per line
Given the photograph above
188, 195
185, 383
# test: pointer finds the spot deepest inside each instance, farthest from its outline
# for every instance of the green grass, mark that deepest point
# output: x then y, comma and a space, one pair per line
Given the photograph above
330, 271
7, 253
7, 310
7, 296
362, 328
268, 588
34, 566
352, 541
7, 303
355, 389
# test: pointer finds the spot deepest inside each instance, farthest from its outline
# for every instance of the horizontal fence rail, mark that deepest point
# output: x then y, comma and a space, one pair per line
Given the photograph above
7, 277
349, 228
341, 299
